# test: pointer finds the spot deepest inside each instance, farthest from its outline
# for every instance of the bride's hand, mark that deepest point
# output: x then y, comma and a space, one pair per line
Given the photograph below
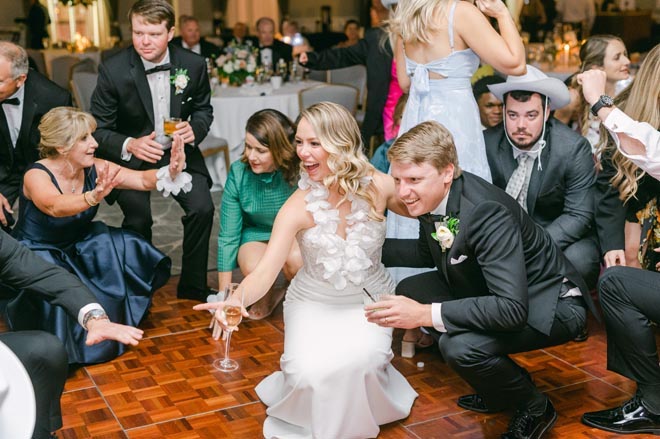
492, 8
218, 321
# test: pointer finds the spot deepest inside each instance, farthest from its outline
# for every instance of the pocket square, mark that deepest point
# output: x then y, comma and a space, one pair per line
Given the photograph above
460, 259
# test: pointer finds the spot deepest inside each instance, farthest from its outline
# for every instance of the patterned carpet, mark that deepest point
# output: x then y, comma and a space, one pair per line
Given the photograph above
167, 228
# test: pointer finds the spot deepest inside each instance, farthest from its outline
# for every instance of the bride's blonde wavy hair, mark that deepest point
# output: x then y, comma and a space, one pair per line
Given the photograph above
339, 135
416, 20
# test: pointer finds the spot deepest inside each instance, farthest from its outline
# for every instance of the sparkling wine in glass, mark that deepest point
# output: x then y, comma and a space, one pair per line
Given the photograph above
233, 313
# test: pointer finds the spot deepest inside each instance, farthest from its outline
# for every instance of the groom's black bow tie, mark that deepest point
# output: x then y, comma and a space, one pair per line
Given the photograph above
11, 101
430, 218
161, 68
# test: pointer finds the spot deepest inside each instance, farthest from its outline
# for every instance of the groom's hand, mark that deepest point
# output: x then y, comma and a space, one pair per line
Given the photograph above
103, 329
146, 148
399, 312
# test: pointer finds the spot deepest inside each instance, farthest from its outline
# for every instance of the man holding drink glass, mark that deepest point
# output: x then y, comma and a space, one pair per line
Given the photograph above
143, 93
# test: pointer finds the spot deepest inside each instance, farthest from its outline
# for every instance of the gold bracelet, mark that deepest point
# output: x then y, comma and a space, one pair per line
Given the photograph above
91, 203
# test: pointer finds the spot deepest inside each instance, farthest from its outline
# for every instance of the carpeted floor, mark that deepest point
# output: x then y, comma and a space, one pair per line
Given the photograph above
167, 229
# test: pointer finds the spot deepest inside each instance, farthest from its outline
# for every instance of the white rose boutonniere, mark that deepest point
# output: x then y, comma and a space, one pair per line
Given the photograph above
180, 80
445, 232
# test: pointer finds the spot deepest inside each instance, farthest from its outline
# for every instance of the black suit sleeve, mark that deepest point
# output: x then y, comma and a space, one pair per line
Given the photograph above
201, 114
609, 210
577, 216
496, 240
340, 57
104, 107
21, 269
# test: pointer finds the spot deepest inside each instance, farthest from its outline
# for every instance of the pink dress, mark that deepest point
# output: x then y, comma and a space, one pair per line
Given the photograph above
393, 95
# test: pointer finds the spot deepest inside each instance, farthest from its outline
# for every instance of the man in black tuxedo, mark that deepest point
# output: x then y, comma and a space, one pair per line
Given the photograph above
191, 39
133, 96
42, 354
502, 285
270, 49
25, 96
375, 53
239, 35
555, 162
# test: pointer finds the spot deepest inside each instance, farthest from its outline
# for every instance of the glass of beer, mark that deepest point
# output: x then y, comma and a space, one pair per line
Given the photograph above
169, 125
233, 313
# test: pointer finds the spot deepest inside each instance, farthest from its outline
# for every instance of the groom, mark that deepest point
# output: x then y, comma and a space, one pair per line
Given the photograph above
502, 286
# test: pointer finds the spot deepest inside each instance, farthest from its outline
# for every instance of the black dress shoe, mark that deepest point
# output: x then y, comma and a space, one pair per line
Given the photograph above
632, 417
476, 403
199, 296
583, 335
525, 425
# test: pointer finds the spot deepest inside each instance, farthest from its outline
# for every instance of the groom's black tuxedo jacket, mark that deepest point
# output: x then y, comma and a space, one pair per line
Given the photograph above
123, 107
503, 270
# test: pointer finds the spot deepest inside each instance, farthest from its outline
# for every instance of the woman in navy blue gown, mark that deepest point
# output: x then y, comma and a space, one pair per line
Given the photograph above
58, 202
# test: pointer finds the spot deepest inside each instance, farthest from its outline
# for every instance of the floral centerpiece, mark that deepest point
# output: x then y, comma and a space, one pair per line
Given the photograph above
238, 62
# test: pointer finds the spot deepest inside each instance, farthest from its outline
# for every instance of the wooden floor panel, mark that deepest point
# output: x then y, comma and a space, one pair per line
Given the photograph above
167, 388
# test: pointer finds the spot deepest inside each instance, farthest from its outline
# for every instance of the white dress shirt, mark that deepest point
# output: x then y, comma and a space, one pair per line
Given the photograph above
159, 85
14, 115
619, 122
197, 48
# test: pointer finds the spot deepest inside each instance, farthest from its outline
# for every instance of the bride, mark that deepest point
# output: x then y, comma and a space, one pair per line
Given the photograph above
336, 379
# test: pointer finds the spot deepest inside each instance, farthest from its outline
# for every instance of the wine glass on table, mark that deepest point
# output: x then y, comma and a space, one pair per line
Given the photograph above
233, 314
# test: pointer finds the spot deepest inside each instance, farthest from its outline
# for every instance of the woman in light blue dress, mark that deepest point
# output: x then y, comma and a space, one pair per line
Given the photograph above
438, 46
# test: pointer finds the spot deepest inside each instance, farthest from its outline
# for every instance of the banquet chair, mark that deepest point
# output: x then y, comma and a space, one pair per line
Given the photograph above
39, 61
319, 75
357, 77
60, 69
82, 86
210, 147
84, 65
344, 95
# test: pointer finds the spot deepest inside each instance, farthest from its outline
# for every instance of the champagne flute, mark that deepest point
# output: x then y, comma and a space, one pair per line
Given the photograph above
233, 314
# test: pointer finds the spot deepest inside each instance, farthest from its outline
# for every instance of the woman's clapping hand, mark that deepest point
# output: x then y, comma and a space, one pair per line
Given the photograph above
178, 156
108, 177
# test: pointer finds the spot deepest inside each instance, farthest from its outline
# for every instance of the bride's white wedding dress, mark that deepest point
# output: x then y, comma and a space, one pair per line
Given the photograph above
336, 380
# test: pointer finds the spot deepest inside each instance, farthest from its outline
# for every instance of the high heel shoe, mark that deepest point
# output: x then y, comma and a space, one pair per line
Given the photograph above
420, 340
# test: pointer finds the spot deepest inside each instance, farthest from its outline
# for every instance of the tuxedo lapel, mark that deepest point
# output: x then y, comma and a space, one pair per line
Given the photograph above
453, 210
142, 85
506, 161
175, 99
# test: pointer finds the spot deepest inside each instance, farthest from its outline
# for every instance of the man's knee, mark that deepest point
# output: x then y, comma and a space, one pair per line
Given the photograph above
609, 285
584, 256
457, 351
45, 354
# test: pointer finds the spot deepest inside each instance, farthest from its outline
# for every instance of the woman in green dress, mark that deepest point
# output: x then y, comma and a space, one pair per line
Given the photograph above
257, 186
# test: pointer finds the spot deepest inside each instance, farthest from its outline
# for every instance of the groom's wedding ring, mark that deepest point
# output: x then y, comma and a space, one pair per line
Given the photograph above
385, 320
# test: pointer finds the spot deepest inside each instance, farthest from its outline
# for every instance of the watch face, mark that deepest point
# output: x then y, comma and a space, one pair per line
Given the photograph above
606, 101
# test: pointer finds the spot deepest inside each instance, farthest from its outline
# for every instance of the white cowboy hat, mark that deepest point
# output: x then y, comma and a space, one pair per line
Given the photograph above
17, 406
535, 81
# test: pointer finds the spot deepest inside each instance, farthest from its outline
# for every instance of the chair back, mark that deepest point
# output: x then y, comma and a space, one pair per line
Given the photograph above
82, 86
344, 95
60, 69
355, 76
84, 65
318, 75
39, 61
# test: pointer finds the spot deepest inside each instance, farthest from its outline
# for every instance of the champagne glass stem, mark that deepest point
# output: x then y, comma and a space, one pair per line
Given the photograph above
226, 360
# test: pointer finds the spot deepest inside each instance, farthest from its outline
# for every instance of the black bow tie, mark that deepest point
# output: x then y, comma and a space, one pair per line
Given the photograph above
161, 68
11, 101
430, 218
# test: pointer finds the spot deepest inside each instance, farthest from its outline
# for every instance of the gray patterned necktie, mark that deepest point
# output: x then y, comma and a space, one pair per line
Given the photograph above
519, 181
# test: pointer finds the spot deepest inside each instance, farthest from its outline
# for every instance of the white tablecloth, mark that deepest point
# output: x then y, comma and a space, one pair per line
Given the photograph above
233, 106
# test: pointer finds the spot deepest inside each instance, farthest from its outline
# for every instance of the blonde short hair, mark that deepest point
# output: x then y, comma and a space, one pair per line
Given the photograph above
429, 142
61, 128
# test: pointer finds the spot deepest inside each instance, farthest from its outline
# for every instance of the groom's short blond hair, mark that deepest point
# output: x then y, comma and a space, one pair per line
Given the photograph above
429, 142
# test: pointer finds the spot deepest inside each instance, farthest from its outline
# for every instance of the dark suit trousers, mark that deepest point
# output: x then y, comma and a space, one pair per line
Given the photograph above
584, 254
482, 358
45, 361
197, 223
630, 299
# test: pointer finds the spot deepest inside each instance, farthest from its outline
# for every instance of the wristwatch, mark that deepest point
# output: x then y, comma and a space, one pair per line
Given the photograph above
603, 101
94, 314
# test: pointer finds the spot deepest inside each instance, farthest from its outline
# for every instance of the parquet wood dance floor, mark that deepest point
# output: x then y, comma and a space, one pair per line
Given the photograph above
167, 388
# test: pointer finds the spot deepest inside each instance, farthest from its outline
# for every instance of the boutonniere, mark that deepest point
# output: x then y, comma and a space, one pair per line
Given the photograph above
445, 231
180, 80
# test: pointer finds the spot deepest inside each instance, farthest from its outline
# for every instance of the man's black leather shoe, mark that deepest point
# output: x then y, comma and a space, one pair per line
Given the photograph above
630, 418
477, 404
199, 296
525, 425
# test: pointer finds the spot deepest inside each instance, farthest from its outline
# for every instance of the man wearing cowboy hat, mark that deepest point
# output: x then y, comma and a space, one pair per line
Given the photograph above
547, 167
